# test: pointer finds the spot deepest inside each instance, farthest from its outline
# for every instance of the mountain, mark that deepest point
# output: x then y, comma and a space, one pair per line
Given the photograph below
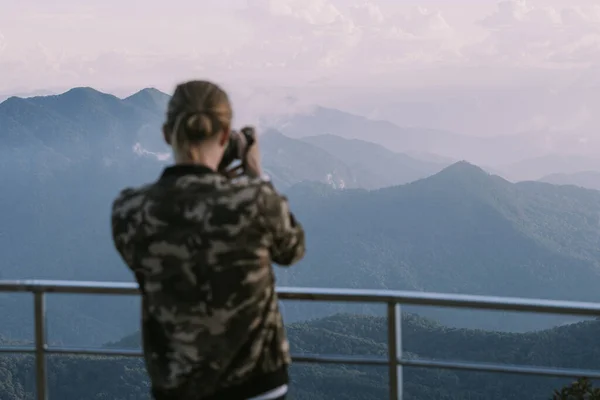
26, 93
150, 98
338, 162
460, 231
586, 179
329, 121
67, 155
289, 161
373, 164
64, 158
493, 150
83, 124
79, 125
573, 346
536, 168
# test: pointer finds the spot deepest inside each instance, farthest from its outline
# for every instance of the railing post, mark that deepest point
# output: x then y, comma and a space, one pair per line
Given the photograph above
394, 318
40, 344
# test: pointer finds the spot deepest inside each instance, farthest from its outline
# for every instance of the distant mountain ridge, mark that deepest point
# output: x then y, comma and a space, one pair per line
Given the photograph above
539, 167
504, 153
149, 98
457, 230
585, 179
373, 164
461, 230
74, 122
133, 124
495, 150
65, 157
289, 161
328, 121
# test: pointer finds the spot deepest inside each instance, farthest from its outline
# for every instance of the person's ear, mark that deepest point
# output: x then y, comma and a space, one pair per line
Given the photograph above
224, 139
166, 135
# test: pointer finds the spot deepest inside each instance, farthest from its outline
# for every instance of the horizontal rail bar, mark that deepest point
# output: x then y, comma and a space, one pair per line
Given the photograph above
350, 360
17, 349
73, 351
454, 365
103, 352
69, 287
82, 351
40, 287
442, 300
333, 359
499, 368
337, 295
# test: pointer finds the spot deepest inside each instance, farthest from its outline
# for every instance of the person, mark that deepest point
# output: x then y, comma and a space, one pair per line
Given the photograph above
200, 245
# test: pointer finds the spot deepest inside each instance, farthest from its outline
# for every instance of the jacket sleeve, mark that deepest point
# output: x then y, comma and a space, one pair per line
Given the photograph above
287, 244
121, 228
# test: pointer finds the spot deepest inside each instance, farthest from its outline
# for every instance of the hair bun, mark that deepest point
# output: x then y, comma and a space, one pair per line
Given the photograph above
201, 124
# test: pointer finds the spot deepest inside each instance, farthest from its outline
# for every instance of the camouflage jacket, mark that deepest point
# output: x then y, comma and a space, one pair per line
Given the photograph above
201, 248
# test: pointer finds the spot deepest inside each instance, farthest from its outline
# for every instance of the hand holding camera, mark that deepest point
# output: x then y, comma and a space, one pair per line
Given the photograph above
242, 147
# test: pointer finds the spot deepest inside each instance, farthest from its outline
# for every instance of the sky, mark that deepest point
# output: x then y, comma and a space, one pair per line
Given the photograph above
127, 44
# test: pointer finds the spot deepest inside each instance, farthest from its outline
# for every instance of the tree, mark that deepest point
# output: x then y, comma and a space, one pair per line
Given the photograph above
579, 390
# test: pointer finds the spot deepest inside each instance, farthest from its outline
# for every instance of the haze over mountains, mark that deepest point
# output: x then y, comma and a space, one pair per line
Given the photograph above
544, 110
514, 156
377, 216
502, 153
67, 156
433, 146
461, 230
587, 179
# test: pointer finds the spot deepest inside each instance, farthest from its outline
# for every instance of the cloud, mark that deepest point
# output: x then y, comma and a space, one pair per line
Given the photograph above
582, 51
511, 13
287, 41
265, 108
140, 151
422, 22
2, 42
311, 12
521, 34
296, 34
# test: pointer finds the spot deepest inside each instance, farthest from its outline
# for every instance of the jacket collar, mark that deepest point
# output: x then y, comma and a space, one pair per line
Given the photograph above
186, 169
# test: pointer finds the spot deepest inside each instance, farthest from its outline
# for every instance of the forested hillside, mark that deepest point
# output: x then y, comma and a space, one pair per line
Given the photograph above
573, 346
460, 230
374, 165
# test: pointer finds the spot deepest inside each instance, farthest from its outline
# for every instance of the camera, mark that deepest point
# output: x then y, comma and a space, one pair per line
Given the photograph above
237, 148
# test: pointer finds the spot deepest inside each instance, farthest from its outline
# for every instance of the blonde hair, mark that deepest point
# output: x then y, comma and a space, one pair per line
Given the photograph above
197, 111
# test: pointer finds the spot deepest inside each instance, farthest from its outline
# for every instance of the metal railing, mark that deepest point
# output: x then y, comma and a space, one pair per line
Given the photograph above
392, 299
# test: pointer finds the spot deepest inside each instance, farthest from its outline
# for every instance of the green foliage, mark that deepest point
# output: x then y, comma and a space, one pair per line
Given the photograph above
459, 231
65, 157
572, 346
581, 389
